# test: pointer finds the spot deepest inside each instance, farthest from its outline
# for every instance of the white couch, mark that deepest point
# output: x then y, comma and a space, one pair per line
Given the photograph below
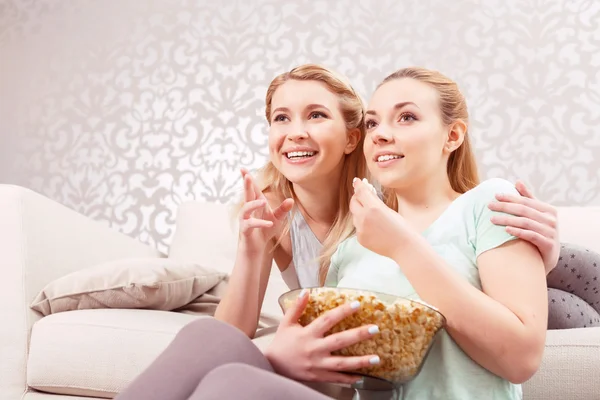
95, 353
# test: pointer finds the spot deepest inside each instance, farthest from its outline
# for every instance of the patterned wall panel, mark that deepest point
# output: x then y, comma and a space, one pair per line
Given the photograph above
124, 109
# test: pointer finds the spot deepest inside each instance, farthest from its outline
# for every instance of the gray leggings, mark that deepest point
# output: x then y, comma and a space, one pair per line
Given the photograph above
208, 360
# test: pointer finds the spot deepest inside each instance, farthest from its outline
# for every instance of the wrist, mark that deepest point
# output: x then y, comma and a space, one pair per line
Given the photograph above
253, 247
271, 359
407, 240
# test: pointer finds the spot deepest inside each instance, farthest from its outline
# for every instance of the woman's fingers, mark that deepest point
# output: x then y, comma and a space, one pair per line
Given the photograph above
543, 243
523, 203
524, 190
285, 207
523, 224
342, 363
524, 210
249, 207
253, 223
330, 318
341, 340
250, 185
294, 312
248, 189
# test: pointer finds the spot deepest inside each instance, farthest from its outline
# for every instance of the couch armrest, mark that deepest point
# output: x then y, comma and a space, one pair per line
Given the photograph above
41, 241
570, 367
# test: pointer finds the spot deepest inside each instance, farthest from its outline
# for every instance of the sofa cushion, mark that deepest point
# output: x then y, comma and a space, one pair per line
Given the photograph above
570, 368
152, 283
97, 352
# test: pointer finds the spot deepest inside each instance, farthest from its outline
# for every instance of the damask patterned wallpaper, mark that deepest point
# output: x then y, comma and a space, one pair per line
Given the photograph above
123, 109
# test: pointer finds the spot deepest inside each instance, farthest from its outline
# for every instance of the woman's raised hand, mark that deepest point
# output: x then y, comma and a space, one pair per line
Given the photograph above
259, 223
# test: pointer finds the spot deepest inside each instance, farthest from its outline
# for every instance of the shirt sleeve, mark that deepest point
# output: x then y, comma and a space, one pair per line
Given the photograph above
488, 235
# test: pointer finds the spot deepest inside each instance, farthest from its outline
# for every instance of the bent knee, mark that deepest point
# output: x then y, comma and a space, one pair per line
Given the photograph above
211, 328
202, 327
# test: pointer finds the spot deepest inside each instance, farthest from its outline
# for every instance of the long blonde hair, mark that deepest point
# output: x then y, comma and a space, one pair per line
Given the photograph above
462, 165
272, 180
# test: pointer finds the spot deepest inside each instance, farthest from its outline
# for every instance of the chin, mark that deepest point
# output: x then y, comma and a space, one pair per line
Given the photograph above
298, 174
390, 181
298, 177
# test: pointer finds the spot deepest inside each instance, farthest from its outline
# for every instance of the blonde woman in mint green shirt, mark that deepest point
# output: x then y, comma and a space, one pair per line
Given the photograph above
432, 238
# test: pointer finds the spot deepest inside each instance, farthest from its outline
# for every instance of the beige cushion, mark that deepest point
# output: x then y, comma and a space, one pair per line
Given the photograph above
153, 283
206, 233
570, 368
97, 352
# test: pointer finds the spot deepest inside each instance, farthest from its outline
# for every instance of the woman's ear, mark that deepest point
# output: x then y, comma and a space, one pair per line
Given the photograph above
456, 136
352, 140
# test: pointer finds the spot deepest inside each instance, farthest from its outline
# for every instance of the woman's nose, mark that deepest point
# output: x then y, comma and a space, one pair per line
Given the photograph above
381, 136
297, 132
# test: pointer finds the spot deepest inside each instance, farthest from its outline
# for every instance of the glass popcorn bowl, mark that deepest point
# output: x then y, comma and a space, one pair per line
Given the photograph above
407, 330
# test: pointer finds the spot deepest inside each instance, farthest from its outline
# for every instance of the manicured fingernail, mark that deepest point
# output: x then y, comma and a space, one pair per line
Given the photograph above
373, 329
355, 304
374, 360
354, 180
302, 293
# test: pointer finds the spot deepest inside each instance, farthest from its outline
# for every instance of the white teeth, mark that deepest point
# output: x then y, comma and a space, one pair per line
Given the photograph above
388, 157
296, 154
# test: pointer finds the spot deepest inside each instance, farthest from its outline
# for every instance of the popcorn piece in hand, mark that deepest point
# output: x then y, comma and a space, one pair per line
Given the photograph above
366, 182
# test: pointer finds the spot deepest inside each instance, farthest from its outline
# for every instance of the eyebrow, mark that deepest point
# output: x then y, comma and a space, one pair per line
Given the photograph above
308, 107
397, 106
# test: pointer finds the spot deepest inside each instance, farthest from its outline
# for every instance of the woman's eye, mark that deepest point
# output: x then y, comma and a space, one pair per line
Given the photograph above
370, 124
407, 118
317, 115
279, 118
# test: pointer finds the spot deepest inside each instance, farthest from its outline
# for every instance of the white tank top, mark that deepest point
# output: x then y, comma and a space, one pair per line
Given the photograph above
303, 271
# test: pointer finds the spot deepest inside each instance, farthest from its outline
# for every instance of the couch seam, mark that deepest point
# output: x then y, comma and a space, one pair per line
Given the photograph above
74, 387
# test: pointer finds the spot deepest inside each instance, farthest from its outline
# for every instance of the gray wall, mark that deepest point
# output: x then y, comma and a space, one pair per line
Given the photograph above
124, 109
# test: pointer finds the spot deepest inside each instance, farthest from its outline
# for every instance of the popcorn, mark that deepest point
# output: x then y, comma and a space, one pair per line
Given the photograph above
366, 182
407, 329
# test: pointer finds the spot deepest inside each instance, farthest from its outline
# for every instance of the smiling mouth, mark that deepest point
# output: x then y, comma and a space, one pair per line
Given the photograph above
389, 157
297, 155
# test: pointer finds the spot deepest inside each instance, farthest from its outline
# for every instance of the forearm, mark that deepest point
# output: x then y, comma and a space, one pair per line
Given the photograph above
242, 302
486, 330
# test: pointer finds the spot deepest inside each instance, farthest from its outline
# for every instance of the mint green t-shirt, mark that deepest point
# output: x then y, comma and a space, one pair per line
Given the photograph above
459, 236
